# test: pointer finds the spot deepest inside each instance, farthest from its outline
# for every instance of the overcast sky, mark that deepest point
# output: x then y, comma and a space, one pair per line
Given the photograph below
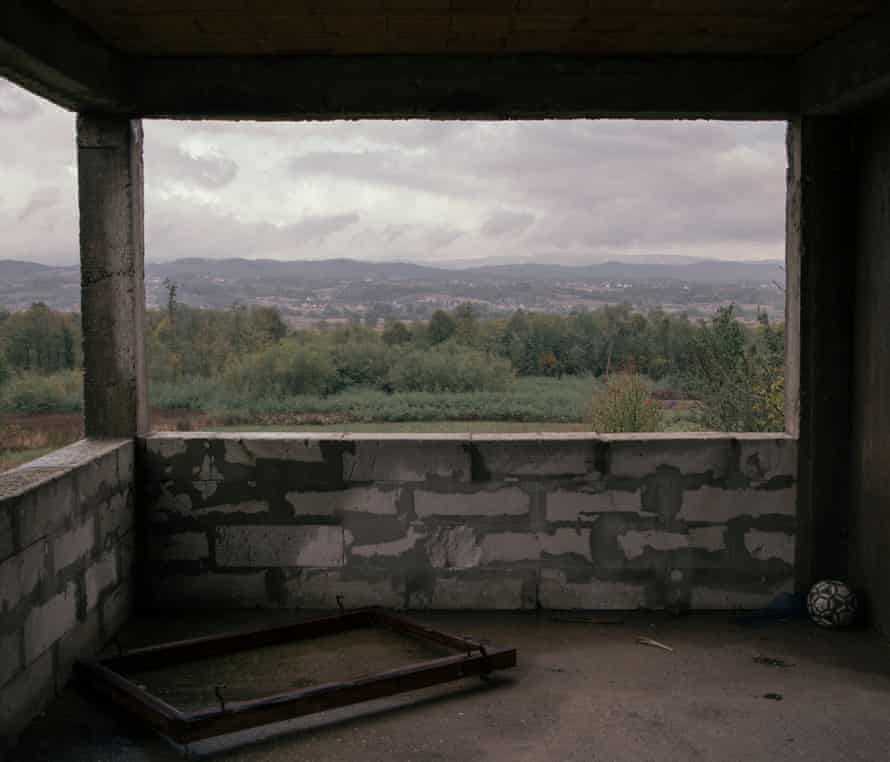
574, 191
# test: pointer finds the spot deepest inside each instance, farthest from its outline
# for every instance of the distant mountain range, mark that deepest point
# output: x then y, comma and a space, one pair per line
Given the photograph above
352, 285
698, 271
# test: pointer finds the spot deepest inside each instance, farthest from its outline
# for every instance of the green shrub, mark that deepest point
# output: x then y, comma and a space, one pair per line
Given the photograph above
738, 376
32, 393
396, 333
190, 393
625, 405
449, 369
362, 363
283, 370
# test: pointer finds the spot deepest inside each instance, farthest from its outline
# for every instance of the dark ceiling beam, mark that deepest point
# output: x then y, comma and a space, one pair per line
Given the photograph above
479, 87
849, 72
48, 52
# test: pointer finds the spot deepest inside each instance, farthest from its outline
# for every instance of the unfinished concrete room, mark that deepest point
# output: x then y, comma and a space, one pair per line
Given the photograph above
591, 453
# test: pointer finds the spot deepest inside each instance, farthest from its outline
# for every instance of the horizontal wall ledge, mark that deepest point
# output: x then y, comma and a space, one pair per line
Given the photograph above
550, 436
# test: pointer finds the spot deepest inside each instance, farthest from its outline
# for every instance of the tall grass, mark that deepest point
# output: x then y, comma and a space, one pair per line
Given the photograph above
528, 399
33, 393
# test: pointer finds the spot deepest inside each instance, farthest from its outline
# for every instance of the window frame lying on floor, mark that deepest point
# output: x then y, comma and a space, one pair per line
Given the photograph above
106, 675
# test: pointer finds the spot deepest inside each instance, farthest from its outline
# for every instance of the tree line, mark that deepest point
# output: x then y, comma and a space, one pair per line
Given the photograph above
734, 370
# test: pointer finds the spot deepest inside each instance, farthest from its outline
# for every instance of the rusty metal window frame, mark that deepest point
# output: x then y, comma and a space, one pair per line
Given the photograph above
106, 675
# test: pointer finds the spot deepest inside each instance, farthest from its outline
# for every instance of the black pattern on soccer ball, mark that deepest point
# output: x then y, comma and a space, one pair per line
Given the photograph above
831, 603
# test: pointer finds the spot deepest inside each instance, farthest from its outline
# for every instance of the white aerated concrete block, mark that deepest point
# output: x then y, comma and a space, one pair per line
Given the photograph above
116, 608
26, 695
635, 542
556, 592
572, 505
319, 589
70, 547
47, 623
6, 540
165, 446
184, 546
392, 548
281, 545
247, 450
503, 592
21, 573
358, 499
453, 548
50, 505
100, 577
763, 458
721, 505
81, 642
212, 590
537, 458
768, 545
10, 655
511, 547
406, 461
116, 516
510, 501
635, 457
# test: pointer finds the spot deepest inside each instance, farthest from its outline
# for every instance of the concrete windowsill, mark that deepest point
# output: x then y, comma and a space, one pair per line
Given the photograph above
535, 436
55, 465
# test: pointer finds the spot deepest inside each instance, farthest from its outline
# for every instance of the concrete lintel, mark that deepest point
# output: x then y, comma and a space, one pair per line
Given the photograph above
850, 71
468, 87
48, 52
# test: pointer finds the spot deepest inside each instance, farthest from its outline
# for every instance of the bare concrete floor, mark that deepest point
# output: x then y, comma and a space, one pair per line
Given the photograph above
582, 691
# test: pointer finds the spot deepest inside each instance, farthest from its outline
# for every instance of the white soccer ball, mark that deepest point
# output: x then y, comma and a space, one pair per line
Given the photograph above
832, 603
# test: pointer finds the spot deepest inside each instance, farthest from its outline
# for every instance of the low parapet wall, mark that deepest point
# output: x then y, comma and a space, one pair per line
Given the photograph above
66, 548
467, 521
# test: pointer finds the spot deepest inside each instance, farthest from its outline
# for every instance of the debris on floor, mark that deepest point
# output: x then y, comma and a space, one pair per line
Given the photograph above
771, 661
643, 641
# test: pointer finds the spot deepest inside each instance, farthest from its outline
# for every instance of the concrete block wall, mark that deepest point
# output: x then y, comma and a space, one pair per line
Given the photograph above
66, 549
461, 522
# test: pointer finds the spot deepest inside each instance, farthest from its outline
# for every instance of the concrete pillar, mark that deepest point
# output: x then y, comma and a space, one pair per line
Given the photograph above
821, 266
870, 525
112, 248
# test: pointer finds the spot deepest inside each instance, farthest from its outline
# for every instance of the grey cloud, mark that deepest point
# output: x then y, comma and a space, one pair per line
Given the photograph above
166, 161
15, 103
504, 221
45, 198
439, 238
615, 183
320, 226
385, 167
177, 232
211, 171
585, 186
